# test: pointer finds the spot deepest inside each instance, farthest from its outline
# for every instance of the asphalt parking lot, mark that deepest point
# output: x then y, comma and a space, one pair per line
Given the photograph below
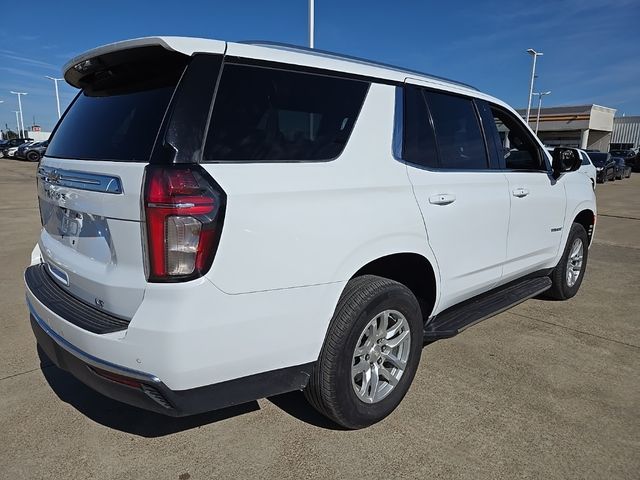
546, 390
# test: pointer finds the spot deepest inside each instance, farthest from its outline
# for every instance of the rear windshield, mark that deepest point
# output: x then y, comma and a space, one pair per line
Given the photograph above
265, 114
118, 116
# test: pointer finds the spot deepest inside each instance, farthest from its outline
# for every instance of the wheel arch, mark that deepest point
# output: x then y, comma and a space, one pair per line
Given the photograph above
411, 269
587, 218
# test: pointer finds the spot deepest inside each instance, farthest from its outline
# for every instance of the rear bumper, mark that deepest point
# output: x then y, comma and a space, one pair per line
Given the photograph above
147, 391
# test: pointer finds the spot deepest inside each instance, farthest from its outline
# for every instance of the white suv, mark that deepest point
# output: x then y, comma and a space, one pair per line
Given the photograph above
228, 221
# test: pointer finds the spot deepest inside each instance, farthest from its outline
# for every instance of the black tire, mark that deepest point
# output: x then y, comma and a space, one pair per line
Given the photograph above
560, 289
33, 156
330, 389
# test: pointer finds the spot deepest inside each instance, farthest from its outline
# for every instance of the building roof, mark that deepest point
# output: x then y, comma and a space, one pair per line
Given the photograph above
569, 110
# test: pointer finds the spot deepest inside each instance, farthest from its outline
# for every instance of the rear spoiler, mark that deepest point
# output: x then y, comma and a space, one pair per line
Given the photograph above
87, 64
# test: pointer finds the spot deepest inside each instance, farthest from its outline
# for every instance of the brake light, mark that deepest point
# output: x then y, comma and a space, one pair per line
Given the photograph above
183, 210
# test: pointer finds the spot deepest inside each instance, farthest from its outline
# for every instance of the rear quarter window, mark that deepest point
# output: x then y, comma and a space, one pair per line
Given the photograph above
266, 114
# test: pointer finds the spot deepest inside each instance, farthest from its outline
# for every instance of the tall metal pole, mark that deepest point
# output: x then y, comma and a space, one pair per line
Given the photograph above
311, 23
540, 95
535, 55
19, 94
538, 116
56, 80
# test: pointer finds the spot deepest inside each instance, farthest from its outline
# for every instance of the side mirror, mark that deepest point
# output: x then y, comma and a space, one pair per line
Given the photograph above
565, 160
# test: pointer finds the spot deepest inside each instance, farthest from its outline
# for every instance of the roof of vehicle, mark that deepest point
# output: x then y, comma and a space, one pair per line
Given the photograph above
284, 53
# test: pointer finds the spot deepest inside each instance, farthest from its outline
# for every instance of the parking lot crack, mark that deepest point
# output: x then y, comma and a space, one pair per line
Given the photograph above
41, 367
617, 216
577, 330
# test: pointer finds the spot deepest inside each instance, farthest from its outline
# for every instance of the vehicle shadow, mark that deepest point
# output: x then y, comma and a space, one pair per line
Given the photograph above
123, 417
297, 406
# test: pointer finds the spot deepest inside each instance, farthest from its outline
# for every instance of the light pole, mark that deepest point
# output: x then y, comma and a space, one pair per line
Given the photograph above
311, 23
540, 95
55, 81
19, 94
535, 55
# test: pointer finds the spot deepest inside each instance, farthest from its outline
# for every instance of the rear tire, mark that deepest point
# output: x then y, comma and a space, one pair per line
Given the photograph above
33, 156
566, 278
333, 388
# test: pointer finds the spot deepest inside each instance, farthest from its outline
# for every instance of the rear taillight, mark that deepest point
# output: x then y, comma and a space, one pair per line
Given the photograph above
183, 210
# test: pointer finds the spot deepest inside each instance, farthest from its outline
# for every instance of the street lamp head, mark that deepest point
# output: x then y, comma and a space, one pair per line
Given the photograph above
53, 78
532, 52
19, 93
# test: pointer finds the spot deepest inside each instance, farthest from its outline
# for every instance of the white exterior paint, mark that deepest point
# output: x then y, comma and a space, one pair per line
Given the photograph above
295, 233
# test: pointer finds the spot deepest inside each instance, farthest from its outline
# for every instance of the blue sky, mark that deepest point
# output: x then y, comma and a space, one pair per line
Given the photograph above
591, 47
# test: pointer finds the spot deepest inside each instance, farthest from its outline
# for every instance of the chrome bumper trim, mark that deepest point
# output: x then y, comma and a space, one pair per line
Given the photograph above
87, 357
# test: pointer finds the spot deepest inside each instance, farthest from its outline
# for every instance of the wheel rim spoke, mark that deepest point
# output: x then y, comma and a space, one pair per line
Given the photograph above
394, 342
387, 376
395, 361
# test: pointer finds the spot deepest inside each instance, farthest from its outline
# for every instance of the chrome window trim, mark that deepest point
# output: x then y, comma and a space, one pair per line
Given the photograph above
93, 182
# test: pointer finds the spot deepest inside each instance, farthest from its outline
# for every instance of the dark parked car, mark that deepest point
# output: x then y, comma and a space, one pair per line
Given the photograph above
630, 158
605, 166
32, 152
622, 169
14, 142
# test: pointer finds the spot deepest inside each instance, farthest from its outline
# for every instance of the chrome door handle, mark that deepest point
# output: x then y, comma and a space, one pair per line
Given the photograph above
442, 199
520, 192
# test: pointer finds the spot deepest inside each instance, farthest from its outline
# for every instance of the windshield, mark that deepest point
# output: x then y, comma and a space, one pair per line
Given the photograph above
598, 159
118, 114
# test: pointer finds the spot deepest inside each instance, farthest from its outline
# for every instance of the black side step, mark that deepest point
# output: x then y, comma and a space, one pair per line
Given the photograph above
455, 319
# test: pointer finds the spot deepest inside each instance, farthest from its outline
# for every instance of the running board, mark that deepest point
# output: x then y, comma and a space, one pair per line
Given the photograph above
455, 319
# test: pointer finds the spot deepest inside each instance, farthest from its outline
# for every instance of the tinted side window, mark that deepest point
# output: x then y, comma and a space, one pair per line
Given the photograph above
419, 143
519, 150
264, 114
585, 160
460, 141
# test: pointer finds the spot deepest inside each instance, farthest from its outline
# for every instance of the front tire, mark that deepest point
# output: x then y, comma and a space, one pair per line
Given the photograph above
33, 156
370, 354
567, 276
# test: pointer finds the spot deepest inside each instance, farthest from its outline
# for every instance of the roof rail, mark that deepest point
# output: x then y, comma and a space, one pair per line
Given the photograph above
362, 61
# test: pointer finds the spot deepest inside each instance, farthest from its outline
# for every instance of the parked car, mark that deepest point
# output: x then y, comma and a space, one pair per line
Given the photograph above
274, 218
14, 143
13, 151
19, 153
623, 153
586, 166
32, 152
622, 169
605, 166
